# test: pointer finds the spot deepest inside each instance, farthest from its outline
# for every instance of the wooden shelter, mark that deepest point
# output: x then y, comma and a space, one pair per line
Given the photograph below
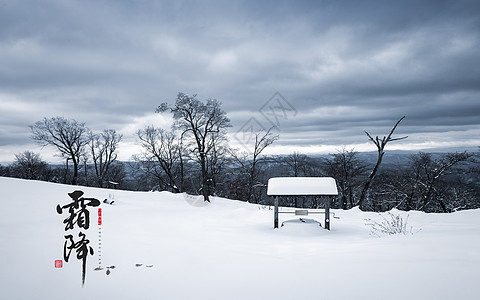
303, 186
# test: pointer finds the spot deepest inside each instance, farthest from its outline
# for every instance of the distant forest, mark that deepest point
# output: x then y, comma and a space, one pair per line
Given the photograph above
422, 181
194, 157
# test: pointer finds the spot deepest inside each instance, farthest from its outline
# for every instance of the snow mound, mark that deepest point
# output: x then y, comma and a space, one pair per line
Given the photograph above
303, 226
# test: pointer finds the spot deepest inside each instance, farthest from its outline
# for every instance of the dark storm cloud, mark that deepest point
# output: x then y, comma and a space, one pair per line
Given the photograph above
346, 66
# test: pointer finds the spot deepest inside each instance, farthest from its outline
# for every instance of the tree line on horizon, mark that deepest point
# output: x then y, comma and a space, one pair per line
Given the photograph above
194, 156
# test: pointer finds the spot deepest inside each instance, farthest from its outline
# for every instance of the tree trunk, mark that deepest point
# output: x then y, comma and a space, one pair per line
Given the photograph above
363, 195
66, 171
181, 189
204, 178
75, 172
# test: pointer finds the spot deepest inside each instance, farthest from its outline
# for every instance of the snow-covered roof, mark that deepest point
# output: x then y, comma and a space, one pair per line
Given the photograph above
302, 186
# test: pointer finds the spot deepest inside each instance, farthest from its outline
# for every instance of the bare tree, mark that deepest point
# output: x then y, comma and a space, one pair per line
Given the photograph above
199, 121
217, 160
298, 163
249, 162
427, 177
103, 149
29, 165
5, 171
117, 174
346, 168
380, 143
68, 136
84, 158
161, 156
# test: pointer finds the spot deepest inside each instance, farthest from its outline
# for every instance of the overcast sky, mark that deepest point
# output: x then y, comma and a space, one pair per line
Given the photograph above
340, 68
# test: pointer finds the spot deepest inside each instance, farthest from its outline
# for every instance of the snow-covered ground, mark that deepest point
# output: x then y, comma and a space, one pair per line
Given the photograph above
227, 250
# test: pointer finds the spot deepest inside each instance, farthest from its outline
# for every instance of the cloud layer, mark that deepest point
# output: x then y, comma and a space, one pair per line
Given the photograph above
346, 66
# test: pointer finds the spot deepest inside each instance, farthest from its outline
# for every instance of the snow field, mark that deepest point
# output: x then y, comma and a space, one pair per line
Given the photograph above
228, 250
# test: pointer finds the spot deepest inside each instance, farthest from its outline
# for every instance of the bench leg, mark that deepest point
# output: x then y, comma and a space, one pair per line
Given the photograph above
327, 213
275, 213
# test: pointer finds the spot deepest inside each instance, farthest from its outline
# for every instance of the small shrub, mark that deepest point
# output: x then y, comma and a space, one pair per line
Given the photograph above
393, 224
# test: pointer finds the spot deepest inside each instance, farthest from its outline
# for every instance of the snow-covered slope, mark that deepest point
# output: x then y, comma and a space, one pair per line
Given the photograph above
227, 250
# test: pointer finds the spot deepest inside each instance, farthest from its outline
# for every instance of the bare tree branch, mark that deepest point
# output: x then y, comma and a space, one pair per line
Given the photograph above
380, 149
68, 136
203, 123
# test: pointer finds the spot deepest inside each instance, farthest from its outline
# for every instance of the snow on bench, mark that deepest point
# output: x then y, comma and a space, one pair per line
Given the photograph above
302, 186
